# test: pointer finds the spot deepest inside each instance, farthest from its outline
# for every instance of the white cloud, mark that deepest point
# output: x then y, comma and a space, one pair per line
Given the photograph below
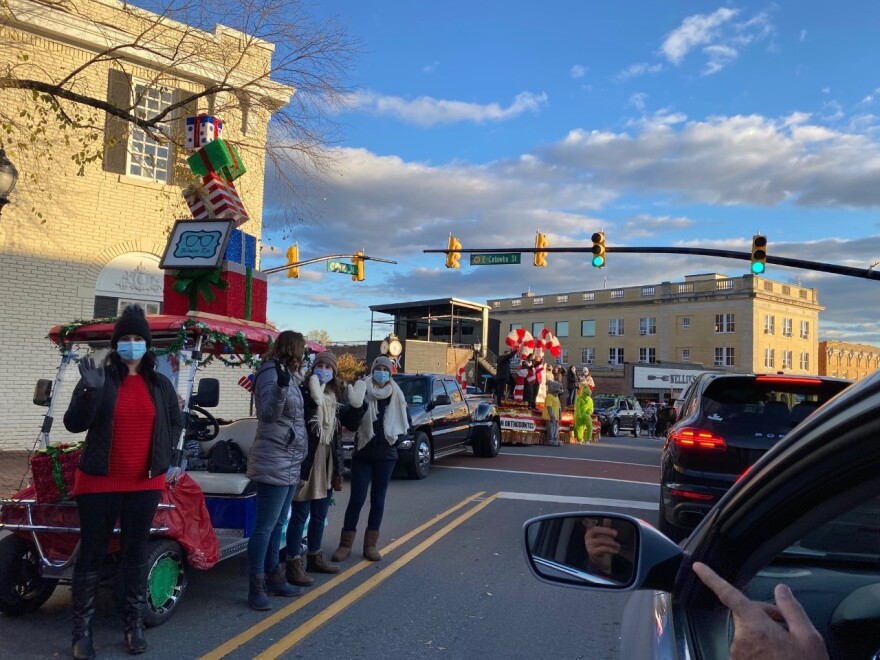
719, 57
429, 111
803, 35
431, 68
637, 101
647, 225
695, 31
638, 70
578, 71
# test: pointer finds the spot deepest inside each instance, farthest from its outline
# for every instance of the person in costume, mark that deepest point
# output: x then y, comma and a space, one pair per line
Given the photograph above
551, 413
583, 415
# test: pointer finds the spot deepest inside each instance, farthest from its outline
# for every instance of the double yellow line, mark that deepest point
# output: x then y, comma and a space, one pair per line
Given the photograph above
294, 637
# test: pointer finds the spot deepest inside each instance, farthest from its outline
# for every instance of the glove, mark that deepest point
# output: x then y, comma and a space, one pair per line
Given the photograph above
336, 482
356, 393
283, 375
92, 376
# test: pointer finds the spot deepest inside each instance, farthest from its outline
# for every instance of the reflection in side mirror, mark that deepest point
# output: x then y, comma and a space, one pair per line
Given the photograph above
43, 392
208, 393
443, 400
589, 550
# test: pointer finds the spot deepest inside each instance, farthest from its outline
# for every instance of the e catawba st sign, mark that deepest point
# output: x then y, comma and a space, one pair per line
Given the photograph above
495, 259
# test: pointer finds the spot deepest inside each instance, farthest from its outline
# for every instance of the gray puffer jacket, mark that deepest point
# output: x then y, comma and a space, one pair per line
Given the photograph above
282, 442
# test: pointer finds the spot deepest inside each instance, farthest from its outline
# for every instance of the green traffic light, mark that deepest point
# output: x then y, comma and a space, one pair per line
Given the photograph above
598, 262
758, 268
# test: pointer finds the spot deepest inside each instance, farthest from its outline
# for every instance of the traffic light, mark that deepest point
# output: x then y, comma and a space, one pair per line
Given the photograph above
540, 257
759, 254
358, 260
599, 249
453, 257
292, 258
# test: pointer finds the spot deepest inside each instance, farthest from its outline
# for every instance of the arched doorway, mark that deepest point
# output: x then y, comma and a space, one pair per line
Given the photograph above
134, 277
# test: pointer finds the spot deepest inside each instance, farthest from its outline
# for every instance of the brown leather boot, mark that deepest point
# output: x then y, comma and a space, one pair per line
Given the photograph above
371, 538
315, 563
296, 573
346, 540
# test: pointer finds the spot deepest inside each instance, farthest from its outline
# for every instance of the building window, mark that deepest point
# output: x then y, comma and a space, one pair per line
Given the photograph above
724, 285
538, 301
590, 296
770, 358
515, 326
496, 303
588, 328
516, 302
588, 356
724, 323
150, 307
562, 299
805, 329
803, 293
805, 363
564, 356
787, 359
724, 357
647, 291
615, 356
786, 290
769, 324
648, 355
615, 327
147, 158
616, 294
687, 287
768, 286
685, 355
786, 327
685, 322
562, 328
537, 326
648, 325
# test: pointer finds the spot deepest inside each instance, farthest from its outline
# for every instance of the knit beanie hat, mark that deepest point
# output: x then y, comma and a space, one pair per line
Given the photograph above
326, 357
381, 361
132, 322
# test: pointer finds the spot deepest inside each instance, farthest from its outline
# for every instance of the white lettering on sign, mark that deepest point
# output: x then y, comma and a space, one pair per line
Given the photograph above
517, 424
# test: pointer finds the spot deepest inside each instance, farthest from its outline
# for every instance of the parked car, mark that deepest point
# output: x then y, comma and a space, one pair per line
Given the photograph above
727, 422
444, 422
617, 412
806, 514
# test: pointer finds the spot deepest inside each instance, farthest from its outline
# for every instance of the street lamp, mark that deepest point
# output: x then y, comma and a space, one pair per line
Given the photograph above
477, 348
8, 178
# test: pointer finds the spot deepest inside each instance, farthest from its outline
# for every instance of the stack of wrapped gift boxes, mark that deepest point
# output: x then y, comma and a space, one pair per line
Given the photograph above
218, 164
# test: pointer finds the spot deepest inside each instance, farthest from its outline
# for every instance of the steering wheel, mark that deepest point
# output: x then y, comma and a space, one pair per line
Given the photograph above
202, 425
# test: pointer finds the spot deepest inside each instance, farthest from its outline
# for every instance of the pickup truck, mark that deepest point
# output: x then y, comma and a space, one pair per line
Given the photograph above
444, 422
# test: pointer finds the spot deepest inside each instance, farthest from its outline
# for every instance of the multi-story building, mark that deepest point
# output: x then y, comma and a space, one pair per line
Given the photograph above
845, 360
94, 241
742, 324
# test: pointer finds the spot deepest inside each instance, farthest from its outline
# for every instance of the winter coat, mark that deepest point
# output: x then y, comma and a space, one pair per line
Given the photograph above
502, 370
282, 443
348, 416
377, 448
571, 380
92, 411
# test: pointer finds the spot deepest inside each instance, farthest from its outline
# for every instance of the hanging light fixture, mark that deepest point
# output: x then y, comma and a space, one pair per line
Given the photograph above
8, 178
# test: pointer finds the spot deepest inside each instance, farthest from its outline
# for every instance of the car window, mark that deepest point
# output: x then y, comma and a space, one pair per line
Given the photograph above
851, 537
438, 390
602, 402
414, 389
453, 390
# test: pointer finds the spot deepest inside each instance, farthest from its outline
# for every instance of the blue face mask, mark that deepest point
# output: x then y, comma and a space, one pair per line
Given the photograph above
324, 375
131, 350
381, 377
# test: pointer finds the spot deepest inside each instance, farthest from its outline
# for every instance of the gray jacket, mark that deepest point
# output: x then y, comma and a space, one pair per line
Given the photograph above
282, 442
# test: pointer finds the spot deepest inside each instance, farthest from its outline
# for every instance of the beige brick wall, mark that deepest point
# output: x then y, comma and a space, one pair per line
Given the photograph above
847, 360
49, 265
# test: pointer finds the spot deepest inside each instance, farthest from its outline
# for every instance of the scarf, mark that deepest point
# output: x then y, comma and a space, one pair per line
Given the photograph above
324, 423
395, 420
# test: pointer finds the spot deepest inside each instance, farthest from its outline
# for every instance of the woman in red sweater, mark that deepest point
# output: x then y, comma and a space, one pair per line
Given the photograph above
132, 418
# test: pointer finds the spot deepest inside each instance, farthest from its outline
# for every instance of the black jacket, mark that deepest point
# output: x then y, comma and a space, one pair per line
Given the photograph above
92, 411
348, 416
377, 448
502, 370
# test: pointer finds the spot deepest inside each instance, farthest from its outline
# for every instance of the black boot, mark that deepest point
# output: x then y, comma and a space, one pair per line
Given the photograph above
135, 581
85, 590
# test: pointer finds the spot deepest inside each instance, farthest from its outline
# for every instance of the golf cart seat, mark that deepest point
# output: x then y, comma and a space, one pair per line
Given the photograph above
243, 432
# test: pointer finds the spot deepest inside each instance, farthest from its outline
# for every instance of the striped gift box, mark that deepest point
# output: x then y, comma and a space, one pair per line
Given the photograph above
215, 198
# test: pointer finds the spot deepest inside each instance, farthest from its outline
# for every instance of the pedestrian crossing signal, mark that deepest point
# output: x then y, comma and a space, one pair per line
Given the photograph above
540, 257
453, 256
599, 249
759, 254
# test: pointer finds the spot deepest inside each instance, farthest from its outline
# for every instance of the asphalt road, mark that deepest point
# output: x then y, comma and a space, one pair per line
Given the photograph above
453, 584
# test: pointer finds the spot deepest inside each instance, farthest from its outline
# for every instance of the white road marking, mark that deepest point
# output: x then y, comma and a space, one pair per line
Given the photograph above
588, 460
588, 501
546, 474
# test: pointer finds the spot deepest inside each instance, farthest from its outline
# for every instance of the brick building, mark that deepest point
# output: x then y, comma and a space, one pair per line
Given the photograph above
102, 229
845, 360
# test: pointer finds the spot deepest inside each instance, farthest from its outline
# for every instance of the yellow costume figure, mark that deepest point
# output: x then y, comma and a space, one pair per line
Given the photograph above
583, 416
551, 414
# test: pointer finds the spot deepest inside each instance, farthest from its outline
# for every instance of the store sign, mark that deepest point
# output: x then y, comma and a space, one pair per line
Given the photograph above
664, 379
517, 424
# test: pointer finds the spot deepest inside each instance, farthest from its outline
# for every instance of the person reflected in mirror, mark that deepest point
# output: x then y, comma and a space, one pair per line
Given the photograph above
763, 630
603, 546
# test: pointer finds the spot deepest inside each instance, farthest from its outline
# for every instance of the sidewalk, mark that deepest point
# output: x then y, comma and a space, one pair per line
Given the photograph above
13, 466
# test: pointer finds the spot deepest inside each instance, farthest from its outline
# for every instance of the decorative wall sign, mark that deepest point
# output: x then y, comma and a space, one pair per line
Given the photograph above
196, 244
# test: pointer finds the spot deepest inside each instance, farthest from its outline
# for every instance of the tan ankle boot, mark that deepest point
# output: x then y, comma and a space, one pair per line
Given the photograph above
371, 538
296, 574
346, 540
315, 563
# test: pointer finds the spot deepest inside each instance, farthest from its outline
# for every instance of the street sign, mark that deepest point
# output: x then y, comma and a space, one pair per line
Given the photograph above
495, 259
342, 267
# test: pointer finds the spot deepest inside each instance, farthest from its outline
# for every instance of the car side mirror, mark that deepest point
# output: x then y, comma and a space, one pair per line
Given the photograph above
443, 400
600, 551
207, 395
43, 392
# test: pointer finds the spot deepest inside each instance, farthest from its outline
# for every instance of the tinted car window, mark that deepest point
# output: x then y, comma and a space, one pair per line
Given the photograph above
853, 536
414, 389
453, 391
603, 402
439, 390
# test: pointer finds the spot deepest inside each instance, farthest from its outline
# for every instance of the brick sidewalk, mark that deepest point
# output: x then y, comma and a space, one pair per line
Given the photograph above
13, 466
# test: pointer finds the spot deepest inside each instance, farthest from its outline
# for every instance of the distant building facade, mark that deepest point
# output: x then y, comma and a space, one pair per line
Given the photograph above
845, 360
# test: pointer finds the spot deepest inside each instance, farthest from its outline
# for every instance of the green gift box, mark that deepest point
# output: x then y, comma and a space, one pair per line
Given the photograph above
217, 157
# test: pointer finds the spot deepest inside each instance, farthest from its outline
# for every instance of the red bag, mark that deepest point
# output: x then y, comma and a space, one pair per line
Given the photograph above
53, 470
189, 523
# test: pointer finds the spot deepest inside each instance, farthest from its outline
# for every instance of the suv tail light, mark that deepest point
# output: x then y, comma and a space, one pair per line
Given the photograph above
694, 438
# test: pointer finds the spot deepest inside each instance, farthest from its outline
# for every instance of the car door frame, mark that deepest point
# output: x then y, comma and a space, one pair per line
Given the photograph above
459, 413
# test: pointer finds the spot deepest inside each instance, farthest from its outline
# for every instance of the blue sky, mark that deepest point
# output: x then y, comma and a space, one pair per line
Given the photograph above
663, 123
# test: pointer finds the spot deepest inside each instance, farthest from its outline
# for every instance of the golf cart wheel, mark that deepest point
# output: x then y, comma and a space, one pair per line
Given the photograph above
166, 580
22, 589
420, 464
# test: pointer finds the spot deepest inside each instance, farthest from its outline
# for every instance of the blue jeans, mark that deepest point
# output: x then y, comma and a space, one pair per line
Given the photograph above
365, 474
273, 504
316, 513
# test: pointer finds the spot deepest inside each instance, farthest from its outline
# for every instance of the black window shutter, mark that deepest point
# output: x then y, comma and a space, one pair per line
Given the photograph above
116, 129
105, 306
